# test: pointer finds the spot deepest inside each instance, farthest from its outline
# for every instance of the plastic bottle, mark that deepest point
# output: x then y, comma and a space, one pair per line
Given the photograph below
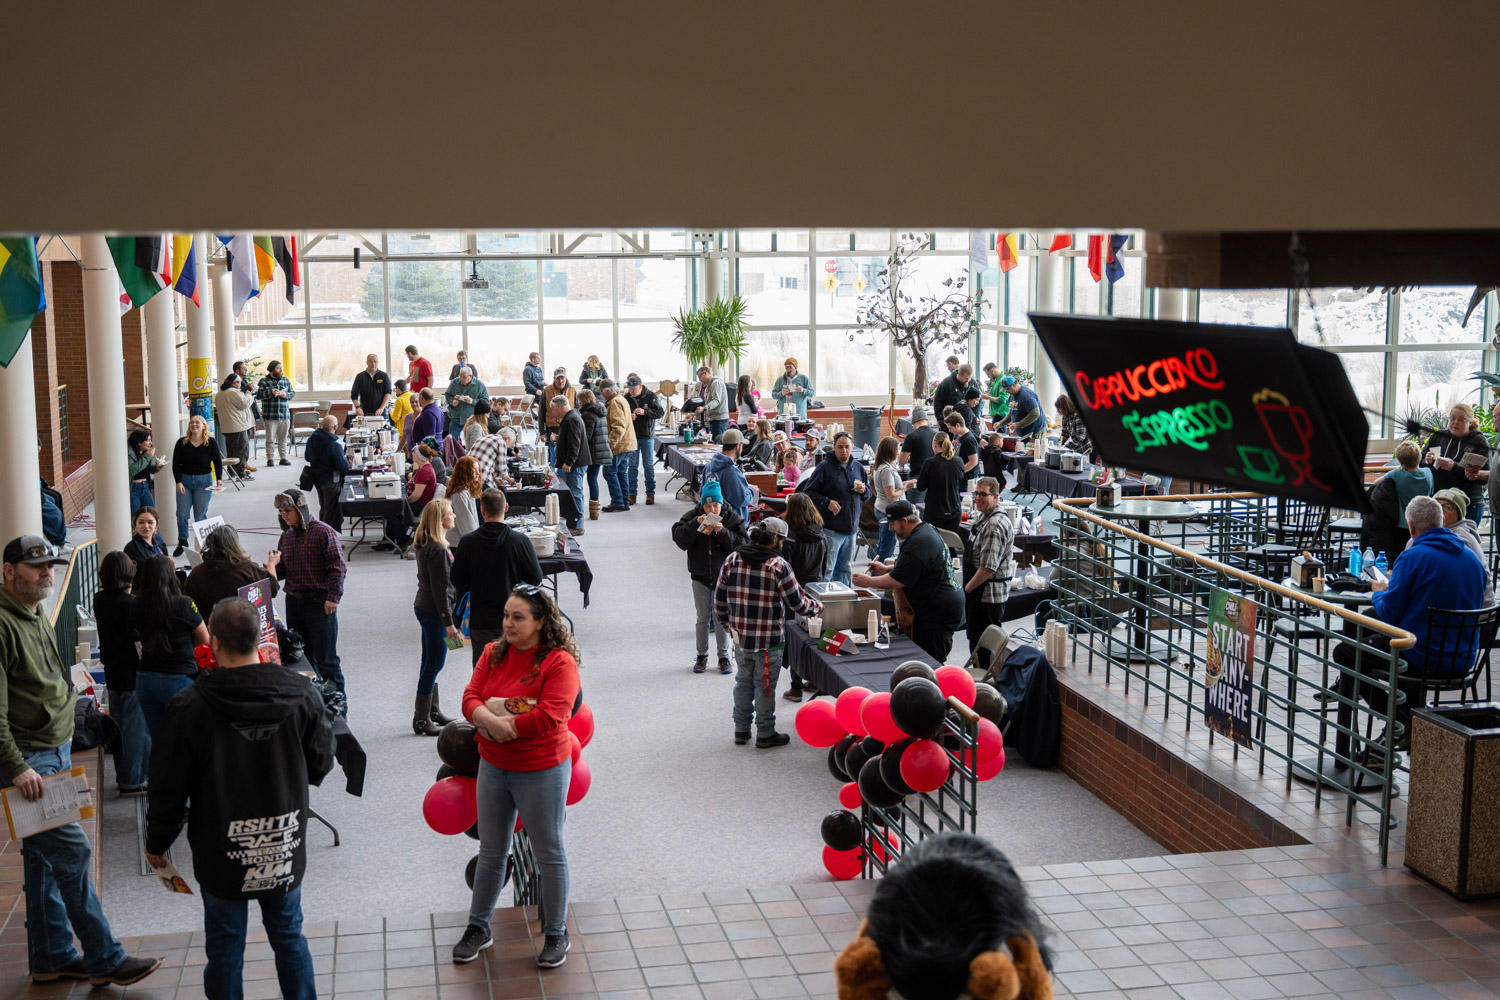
1367, 560
1381, 564
1355, 561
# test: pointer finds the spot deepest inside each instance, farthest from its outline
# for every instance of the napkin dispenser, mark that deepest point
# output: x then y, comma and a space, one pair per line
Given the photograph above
1107, 496
1304, 568
844, 607
384, 486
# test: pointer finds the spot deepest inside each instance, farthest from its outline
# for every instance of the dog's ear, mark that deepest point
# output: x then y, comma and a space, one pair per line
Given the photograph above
992, 976
1036, 981
859, 971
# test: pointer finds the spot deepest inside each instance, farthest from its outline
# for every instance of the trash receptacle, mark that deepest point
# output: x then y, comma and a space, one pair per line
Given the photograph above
867, 426
1453, 811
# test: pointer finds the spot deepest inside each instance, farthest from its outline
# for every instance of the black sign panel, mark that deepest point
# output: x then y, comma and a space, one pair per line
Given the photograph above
1242, 406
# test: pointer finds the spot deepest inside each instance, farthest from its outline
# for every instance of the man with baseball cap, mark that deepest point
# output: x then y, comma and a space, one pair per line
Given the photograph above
723, 469
712, 398
36, 701
929, 602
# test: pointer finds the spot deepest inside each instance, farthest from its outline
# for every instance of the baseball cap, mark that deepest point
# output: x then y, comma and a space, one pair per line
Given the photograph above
777, 526
33, 550
779, 437
560, 371
896, 510
1008, 381
732, 437
1457, 498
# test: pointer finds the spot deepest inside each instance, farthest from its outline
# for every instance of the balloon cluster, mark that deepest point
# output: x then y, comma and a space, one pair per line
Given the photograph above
451, 805
886, 746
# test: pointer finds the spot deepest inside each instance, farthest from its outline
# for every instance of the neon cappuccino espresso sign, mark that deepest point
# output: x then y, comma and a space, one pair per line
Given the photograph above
1186, 424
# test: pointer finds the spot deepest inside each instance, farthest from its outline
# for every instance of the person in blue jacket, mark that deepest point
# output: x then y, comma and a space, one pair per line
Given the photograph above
1027, 417
1437, 571
837, 485
724, 470
325, 453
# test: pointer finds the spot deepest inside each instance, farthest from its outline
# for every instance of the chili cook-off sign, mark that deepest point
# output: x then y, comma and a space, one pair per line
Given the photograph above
1245, 407
259, 595
1229, 671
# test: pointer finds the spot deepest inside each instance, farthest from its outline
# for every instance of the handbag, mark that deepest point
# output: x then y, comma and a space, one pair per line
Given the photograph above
305, 482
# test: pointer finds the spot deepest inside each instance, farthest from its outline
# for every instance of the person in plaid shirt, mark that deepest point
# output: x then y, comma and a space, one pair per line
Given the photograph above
752, 587
312, 568
489, 451
275, 393
989, 564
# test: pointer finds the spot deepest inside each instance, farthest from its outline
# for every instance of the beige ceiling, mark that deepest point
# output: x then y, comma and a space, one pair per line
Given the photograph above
1162, 115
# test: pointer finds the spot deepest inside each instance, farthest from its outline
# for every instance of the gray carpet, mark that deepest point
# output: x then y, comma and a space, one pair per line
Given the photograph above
674, 806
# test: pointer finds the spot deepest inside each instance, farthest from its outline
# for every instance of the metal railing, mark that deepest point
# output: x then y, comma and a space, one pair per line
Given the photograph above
525, 879
76, 593
1139, 605
62, 423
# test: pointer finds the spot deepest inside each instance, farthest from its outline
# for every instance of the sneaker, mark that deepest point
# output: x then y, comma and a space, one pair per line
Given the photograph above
772, 740
725, 667
475, 940
793, 695
409, 554
178, 551
613, 508
73, 970
130, 970
554, 951
700, 664
247, 479
577, 531
283, 462
740, 739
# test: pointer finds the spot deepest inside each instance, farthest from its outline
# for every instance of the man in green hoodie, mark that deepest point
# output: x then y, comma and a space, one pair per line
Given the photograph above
36, 702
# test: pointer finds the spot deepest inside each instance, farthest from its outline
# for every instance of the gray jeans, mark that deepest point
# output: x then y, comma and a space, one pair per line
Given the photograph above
703, 604
276, 431
755, 686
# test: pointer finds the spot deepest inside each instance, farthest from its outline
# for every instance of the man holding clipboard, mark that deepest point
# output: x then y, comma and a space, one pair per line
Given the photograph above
36, 702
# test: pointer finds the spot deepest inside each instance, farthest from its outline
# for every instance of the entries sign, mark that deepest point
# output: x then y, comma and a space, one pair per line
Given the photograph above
1230, 669
1246, 407
259, 595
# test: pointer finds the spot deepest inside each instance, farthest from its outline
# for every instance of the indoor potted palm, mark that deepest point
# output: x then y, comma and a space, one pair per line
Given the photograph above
713, 334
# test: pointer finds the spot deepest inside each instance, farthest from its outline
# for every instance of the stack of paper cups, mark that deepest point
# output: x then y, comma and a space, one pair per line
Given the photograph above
551, 508
85, 650
872, 626
1056, 643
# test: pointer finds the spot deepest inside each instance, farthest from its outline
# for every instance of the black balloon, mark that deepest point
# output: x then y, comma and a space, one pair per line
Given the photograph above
470, 869
854, 760
890, 766
872, 746
833, 764
989, 702
842, 830
577, 703
918, 706
472, 832
444, 771
912, 668
841, 751
874, 790
455, 744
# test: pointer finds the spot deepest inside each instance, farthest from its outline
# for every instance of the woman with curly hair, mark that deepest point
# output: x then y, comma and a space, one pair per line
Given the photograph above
520, 699
464, 490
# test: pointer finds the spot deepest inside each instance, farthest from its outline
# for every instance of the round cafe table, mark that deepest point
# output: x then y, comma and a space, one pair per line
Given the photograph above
1143, 647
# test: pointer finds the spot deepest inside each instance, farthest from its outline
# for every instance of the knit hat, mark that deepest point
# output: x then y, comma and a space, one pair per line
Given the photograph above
711, 491
1456, 497
918, 414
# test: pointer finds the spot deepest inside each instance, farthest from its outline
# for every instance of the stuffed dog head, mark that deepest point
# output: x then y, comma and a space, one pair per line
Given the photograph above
951, 918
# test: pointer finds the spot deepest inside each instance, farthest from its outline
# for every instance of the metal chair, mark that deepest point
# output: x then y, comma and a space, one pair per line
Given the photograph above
993, 641
305, 422
951, 539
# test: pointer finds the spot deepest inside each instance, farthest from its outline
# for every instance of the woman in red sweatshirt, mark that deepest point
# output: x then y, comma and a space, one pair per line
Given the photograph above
520, 699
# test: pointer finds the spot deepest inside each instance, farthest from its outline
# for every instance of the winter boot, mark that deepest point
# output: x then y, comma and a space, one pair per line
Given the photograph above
632, 499
650, 499
421, 720
593, 510
436, 715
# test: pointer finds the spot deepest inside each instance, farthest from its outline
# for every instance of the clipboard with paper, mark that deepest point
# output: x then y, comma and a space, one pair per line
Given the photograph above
66, 799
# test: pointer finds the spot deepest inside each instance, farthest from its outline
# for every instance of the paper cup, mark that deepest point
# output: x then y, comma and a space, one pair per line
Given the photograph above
1318, 584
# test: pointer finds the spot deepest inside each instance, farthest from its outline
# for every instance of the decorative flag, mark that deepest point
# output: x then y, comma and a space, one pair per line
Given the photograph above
1096, 257
979, 253
144, 264
20, 293
265, 262
285, 250
1005, 246
185, 267
242, 267
1060, 242
1113, 267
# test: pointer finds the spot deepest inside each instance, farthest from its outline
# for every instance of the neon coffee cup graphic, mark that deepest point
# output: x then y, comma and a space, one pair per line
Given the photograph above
1290, 430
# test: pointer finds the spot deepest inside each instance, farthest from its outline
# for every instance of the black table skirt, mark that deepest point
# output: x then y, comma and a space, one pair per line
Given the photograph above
833, 672
354, 504
1068, 485
536, 497
571, 560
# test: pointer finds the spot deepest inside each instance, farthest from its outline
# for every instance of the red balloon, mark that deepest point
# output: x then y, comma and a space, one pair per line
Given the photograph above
990, 768
924, 766
847, 709
843, 864
449, 806
878, 849
955, 682
578, 784
849, 796
990, 742
518, 824
875, 713
818, 725
577, 745
582, 725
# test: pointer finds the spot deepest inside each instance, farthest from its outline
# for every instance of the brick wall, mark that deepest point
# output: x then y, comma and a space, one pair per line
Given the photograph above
1159, 792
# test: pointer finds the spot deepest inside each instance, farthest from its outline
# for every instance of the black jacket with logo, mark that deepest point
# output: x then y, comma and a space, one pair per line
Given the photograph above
240, 745
487, 563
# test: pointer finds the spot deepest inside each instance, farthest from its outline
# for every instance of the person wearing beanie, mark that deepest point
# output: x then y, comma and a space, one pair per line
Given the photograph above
1455, 504
311, 567
708, 533
792, 387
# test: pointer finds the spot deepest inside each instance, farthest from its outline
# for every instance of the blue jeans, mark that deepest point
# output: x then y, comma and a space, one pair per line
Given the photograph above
885, 545
152, 692
593, 478
141, 496
646, 455
224, 923
755, 688
717, 427
60, 899
320, 634
1476, 510
625, 472
434, 649
194, 499
574, 478
617, 497
836, 568
135, 740
539, 797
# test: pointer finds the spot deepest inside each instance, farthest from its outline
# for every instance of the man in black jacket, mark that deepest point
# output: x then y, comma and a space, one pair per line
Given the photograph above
325, 454
646, 411
951, 392
572, 453
242, 744
487, 564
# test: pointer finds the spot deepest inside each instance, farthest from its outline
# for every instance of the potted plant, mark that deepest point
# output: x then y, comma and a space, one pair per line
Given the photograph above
713, 334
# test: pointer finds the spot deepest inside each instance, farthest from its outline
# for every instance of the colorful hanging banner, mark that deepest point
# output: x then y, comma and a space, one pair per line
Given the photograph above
201, 391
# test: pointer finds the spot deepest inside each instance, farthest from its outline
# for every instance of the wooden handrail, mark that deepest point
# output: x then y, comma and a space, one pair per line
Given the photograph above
1400, 638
